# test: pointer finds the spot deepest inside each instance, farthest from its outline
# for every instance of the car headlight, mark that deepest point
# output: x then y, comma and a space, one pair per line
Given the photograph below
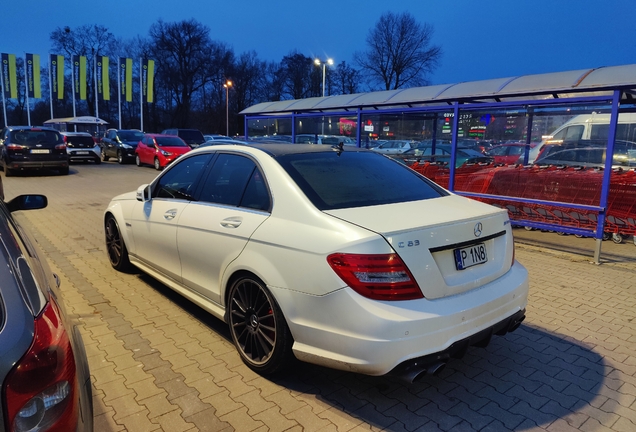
165, 153
126, 146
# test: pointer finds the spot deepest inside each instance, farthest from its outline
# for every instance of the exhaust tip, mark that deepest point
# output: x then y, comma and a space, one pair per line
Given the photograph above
436, 368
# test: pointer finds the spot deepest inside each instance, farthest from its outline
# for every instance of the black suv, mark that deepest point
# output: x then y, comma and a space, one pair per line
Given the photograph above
193, 137
25, 147
120, 144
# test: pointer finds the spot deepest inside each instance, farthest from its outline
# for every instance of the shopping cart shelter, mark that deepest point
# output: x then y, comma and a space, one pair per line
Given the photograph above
584, 120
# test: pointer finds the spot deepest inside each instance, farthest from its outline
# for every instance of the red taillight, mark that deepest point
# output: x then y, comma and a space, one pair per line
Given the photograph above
40, 391
378, 277
60, 147
14, 147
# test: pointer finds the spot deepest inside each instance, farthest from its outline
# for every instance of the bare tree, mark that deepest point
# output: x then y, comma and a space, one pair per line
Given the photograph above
88, 41
399, 52
298, 72
345, 79
182, 51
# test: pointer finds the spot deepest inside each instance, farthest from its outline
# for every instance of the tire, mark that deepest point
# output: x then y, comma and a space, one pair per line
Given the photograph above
115, 246
617, 238
120, 158
258, 327
97, 161
8, 172
104, 157
157, 164
137, 160
64, 171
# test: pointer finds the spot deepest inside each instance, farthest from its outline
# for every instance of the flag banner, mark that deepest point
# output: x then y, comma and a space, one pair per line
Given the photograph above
79, 76
9, 80
34, 89
103, 78
147, 80
125, 77
57, 76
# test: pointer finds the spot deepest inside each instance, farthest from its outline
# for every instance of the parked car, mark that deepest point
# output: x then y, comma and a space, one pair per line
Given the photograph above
220, 141
32, 148
587, 153
509, 153
343, 258
442, 154
159, 150
80, 146
215, 137
192, 137
120, 144
393, 147
44, 371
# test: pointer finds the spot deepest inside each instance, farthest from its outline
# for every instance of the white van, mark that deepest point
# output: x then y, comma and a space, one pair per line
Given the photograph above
587, 127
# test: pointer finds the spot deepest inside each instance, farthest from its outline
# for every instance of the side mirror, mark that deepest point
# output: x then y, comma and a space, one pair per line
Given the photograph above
27, 202
143, 193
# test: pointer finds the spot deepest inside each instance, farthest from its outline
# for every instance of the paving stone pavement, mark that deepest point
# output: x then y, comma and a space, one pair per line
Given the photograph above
160, 363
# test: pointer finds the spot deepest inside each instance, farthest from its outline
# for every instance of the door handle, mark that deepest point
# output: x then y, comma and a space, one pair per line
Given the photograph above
170, 214
232, 222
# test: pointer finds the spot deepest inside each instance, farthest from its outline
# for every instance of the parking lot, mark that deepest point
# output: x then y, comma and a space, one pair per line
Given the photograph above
158, 362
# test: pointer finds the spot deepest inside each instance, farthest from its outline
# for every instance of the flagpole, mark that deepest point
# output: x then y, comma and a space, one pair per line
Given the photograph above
95, 85
4, 101
51, 85
119, 88
73, 81
26, 91
141, 94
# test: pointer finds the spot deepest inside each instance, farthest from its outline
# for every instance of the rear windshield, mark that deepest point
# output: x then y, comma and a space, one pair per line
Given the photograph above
191, 135
31, 137
130, 135
86, 140
356, 179
170, 141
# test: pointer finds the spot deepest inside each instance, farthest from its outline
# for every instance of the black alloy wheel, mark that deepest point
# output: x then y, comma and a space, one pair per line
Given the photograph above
115, 246
120, 157
257, 326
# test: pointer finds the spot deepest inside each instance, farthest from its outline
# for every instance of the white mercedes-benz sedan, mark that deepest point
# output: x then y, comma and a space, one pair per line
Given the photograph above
337, 256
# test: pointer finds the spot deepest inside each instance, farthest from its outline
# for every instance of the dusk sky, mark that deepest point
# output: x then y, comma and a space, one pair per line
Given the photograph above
480, 39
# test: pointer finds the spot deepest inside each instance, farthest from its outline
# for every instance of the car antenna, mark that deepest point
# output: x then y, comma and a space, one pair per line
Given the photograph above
338, 147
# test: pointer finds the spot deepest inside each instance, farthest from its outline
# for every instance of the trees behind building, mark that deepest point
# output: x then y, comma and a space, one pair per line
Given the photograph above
191, 70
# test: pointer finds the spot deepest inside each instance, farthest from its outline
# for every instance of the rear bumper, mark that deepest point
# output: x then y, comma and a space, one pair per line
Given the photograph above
344, 330
25, 164
84, 154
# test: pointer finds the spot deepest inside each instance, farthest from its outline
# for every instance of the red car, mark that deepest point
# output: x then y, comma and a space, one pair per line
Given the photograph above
508, 153
159, 150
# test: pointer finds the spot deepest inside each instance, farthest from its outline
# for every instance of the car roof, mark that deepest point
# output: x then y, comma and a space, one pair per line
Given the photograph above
282, 149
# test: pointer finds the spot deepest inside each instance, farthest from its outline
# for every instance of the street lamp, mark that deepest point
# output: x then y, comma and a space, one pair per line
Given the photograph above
324, 64
227, 86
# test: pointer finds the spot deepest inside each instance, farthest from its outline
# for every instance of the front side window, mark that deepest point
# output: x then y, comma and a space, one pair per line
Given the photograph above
180, 180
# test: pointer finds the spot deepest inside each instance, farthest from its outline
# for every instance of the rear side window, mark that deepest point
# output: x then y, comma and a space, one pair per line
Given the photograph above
32, 137
334, 180
231, 177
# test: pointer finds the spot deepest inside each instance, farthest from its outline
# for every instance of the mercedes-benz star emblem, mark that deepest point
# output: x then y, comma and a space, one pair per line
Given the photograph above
477, 229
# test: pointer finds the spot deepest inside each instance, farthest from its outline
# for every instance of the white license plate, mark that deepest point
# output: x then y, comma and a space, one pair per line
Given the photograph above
81, 153
40, 151
470, 256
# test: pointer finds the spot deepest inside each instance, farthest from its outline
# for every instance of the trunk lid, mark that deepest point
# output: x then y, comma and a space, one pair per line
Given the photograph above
436, 237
